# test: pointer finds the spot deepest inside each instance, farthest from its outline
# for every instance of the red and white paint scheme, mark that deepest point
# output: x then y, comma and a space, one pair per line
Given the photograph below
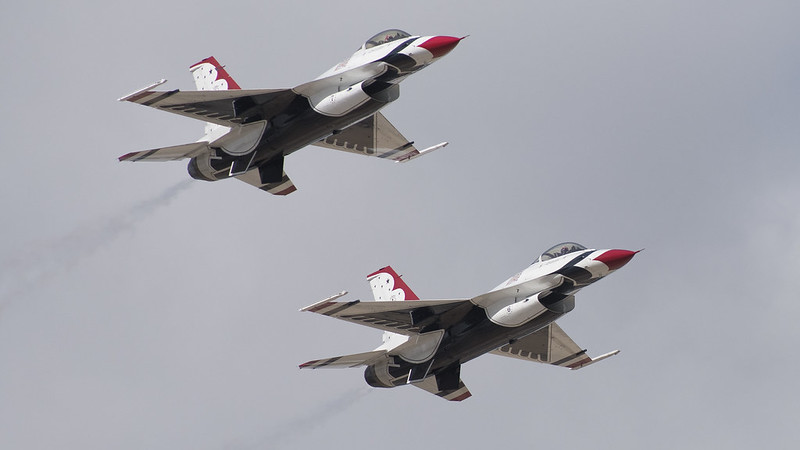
425, 342
249, 132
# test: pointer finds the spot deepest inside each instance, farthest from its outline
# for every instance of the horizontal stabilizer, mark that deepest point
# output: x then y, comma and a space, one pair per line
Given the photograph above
173, 153
346, 361
284, 186
454, 395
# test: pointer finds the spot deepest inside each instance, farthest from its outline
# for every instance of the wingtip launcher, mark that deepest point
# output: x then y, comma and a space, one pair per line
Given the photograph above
597, 359
322, 303
422, 152
142, 90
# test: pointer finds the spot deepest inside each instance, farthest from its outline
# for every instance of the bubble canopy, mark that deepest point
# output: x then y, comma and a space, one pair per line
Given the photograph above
561, 249
384, 37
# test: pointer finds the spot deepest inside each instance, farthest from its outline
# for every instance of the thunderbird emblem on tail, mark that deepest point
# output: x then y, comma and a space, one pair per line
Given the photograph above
249, 132
425, 342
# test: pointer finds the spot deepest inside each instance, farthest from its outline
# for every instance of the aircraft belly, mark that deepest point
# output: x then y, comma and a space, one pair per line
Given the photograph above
465, 345
485, 337
307, 127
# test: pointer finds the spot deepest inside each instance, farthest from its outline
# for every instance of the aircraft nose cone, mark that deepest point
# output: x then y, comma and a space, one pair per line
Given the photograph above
615, 259
440, 45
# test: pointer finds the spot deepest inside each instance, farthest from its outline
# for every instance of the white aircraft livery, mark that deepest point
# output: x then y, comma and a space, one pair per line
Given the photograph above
249, 132
425, 342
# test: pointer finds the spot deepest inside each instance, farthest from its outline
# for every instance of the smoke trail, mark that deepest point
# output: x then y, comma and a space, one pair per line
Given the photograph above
303, 424
21, 273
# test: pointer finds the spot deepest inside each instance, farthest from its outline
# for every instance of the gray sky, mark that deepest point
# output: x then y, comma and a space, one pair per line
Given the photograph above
138, 310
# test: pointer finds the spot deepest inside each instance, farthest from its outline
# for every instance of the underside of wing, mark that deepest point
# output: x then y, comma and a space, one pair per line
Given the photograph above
346, 361
173, 153
550, 345
226, 107
373, 136
408, 317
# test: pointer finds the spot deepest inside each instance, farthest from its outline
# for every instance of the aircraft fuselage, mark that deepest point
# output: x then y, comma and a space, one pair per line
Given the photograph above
525, 303
349, 92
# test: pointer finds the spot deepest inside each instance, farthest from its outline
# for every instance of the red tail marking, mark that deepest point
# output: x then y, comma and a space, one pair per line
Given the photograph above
221, 72
398, 282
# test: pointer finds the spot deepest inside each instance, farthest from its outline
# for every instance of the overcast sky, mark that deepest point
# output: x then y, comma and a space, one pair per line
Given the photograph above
142, 310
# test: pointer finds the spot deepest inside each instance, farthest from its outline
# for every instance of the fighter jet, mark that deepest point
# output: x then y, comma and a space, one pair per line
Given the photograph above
425, 342
249, 132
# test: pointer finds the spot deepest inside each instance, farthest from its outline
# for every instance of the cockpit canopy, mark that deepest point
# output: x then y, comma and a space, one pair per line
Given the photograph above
384, 37
560, 249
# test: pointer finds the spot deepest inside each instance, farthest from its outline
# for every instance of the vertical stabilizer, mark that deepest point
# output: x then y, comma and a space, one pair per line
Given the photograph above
210, 75
386, 286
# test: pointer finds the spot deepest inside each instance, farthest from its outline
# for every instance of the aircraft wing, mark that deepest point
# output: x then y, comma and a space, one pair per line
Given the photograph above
347, 361
227, 108
550, 345
407, 317
374, 136
456, 395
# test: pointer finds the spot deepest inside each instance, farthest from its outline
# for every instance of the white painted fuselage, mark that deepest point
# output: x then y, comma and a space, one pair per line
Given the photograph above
426, 341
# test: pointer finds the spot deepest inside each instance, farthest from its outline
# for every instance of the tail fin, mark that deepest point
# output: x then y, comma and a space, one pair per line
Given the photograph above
210, 75
387, 285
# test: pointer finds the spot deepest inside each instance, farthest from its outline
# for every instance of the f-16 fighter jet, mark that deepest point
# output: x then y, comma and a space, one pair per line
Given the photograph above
249, 132
425, 342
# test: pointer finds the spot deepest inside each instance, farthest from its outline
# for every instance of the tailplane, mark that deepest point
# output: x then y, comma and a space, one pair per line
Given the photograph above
210, 75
